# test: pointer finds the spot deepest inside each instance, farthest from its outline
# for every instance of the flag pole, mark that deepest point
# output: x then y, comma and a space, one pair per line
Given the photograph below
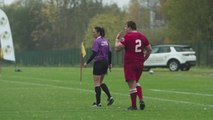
1, 59
82, 54
81, 66
0, 65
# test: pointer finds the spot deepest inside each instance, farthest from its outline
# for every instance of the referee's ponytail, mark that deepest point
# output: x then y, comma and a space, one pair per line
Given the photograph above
102, 32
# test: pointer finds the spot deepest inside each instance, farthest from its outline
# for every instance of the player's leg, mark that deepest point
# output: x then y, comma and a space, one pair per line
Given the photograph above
133, 94
131, 81
138, 73
139, 91
140, 95
139, 88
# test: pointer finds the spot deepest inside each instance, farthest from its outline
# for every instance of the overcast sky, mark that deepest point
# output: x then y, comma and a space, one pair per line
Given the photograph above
120, 3
8, 1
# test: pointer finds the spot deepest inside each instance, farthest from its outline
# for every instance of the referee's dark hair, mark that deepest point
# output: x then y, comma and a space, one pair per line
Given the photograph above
100, 30
131, 24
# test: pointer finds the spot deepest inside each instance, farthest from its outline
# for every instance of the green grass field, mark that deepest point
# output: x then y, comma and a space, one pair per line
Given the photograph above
39, 93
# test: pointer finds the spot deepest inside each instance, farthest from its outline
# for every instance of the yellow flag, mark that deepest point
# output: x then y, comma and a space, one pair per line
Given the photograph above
83, 51
1, 53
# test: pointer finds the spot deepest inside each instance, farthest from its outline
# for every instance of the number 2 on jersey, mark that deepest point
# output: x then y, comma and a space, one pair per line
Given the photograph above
138, 46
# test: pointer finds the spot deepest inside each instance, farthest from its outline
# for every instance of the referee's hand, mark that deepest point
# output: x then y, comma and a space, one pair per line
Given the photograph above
110, 67
85, 64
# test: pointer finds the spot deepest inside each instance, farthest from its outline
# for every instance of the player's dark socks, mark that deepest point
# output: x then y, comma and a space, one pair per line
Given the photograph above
98, 94
106, 90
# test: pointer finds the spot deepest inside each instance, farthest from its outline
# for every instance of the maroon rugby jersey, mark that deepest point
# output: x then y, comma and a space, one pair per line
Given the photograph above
134, 43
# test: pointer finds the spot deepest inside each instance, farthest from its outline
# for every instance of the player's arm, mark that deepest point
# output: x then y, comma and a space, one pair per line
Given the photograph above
148, 49
118, 45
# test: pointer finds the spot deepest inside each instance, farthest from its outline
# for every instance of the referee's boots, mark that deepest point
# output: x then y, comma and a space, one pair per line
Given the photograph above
110, 101
96, 105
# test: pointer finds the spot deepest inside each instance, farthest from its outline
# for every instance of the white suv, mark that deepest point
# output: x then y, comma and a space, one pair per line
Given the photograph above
174, 57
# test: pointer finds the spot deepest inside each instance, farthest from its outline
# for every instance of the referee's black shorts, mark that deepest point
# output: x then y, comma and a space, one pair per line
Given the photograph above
100, 67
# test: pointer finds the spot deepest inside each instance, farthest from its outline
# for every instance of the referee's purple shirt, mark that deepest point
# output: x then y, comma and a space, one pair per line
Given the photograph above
101, 46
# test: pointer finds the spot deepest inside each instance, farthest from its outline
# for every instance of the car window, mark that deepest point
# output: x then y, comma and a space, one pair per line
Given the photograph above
164, 50
155, 49
161, 49
183, 49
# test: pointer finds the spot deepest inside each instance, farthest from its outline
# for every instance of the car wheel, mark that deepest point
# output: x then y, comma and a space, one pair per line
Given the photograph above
187, 68
174, 65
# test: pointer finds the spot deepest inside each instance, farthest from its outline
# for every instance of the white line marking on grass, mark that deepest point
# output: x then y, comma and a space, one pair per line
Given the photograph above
168, 100
47, 85
91, 91
179, 101
24, 77
43, 79
178, 92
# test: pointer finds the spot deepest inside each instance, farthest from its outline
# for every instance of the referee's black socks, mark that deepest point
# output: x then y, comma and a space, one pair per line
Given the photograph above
98, 94
106, 90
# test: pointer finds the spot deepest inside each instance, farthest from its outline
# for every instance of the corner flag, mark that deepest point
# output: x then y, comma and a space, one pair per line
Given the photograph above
83, 54
83, 51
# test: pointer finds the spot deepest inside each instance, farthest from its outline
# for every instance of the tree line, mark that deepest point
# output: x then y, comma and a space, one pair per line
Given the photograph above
63, 24
189, 20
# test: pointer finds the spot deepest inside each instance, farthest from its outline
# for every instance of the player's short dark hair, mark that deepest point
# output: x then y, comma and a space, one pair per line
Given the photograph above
100, 30
132, 25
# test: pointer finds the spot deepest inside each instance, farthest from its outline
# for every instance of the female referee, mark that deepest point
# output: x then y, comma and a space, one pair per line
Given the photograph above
101, 53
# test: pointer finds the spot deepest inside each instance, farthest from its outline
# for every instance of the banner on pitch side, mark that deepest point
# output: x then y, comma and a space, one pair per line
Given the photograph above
6, 38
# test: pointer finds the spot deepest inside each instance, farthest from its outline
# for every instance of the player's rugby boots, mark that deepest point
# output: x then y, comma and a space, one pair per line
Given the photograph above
142, 105
132, 108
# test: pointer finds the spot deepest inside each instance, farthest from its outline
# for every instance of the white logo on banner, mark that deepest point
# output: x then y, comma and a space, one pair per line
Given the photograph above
3, 21
7, 49
5, 35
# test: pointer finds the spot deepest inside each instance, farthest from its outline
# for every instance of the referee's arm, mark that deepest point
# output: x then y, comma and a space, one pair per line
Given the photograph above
91, 57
